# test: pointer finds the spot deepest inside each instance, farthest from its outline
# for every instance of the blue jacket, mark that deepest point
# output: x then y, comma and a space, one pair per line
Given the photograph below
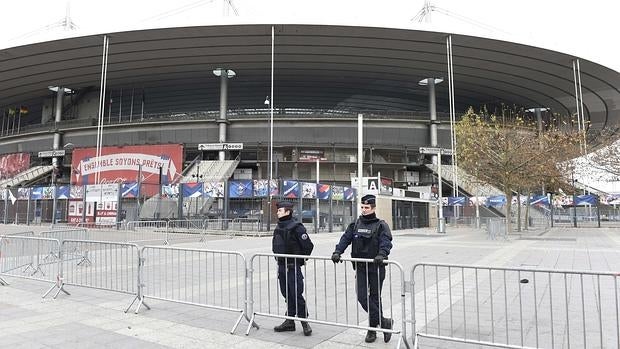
290, 237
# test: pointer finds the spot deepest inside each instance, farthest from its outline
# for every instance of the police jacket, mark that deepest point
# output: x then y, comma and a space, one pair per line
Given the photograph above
369, 237
290, 237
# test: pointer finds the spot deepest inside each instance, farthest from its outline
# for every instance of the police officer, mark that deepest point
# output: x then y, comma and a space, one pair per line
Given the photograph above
290, 237
371, 238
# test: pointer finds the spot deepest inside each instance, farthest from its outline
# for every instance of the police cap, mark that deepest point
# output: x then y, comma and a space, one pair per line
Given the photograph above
368, 199
285, 204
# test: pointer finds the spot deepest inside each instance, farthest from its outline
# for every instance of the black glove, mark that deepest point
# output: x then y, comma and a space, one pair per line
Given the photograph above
336, 257
379, 259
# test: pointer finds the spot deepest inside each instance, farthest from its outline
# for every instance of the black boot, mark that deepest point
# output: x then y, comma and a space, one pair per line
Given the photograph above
307, 328
387, 324
371, 336
287, 325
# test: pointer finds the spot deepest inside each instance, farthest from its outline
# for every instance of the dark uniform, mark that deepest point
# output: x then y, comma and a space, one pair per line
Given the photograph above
290, 237
370, 238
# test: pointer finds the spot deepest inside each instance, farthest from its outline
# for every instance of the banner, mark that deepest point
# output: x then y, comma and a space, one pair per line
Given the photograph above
76, 192
12, 164
496, 201
63, 192
583, 200
213, 189
261, 187
386, 186
337, 193
240, 189
349, 194
457, 201
123, 164
170, 191
130, 190
308, 190
23, 193
192, 190
290, 189
323, 191
539, 200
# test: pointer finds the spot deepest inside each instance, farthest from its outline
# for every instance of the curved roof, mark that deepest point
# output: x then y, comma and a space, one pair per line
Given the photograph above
322, 67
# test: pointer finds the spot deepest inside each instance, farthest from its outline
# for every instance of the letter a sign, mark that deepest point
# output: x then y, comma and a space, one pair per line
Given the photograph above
373, 185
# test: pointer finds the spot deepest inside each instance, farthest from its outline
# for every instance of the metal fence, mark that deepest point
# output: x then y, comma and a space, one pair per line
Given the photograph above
29, 258
208, 278
329, 291
515, 307
111, 266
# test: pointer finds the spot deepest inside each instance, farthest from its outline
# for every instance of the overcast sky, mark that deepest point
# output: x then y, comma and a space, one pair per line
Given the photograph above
587, 29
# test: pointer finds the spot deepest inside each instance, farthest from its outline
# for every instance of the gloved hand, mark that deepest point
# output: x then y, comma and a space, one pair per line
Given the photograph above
379, 259
336, 257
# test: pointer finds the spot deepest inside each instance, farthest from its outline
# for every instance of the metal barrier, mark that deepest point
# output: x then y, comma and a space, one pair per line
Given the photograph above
496, 227
515, 307
21, 233
112, 266
245, 224
65, 234
29, 258
99, 225
216, 224
207, 278
146, 225
330, 292
184, 225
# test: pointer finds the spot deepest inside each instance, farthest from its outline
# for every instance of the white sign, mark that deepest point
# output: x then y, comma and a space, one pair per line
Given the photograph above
435, 151
220, 146
51, 153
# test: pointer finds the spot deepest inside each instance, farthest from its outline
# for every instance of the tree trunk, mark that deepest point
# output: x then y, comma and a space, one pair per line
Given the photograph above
527, 209
518, 211
508, 195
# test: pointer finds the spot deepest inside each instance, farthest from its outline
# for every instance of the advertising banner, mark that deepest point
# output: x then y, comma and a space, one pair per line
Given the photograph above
76, 192
12, 164
130, 190
170, 191
323, 191
240, 189
213, 189
123, 164
290, 189
23, 193
349, 194
261, 187
63, 192
539, 200
583, 200
308, 190
457, 201
192, 190
337, 193
496, 201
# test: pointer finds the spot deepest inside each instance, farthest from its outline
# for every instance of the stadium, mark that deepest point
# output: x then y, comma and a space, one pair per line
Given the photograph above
72, 107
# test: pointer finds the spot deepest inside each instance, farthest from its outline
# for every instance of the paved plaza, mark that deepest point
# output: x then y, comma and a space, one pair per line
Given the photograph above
90, 318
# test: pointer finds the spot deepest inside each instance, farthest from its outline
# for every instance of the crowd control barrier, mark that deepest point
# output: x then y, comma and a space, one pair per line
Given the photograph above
207, 278
329, 291
29, 258
111, 266
515, 307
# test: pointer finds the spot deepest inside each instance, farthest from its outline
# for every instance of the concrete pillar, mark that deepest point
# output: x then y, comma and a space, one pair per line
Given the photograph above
432, 108
58, 118
224, 75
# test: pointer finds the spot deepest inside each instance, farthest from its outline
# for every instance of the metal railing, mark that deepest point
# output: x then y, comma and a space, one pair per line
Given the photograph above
111, 266
329, 291
207, 278
29, 258
515, 307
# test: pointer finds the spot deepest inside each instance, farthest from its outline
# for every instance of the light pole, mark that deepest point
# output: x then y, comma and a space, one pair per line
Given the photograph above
271, 102
574, 201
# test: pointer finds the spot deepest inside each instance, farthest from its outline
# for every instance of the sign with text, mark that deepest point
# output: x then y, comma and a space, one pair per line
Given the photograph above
124, 164
220, 146
51, 153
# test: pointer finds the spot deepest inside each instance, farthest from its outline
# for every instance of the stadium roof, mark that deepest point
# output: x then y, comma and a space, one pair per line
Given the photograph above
316, 66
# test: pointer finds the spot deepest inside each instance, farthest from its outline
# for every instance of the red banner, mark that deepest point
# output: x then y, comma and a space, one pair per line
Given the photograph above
123, 164
12, 164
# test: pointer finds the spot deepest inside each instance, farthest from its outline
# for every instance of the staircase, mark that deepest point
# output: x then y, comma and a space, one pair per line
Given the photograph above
210, 171
26, 176
467, 182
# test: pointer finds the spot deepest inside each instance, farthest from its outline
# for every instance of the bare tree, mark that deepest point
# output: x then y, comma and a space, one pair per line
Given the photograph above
511, 153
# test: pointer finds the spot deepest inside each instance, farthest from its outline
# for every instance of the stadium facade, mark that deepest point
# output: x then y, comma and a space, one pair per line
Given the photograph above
212, 84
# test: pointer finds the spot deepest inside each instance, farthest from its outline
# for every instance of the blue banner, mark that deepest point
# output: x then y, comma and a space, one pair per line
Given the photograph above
240, 189
457, 201
539, 200
583, 200
261, 187
323, 191
129, 190
62, 192
290, 189
37, 193
496, 201
192, 190
349, 194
